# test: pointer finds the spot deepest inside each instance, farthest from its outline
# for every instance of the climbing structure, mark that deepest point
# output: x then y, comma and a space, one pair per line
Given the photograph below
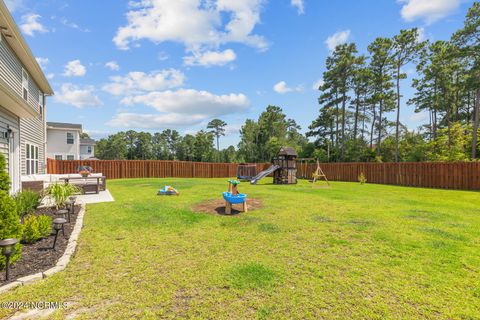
286, 160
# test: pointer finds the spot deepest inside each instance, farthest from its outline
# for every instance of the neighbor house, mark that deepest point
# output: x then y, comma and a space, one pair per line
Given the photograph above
23, 88
64, 142
87, 148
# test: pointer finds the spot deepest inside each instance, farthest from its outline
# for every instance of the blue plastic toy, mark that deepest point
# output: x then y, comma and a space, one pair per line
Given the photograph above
234, 199
168, 191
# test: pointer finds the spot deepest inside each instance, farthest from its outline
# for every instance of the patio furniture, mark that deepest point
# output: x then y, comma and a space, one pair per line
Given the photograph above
91, 184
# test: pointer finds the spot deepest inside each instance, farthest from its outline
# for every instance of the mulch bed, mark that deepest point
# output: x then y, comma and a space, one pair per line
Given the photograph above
39, 256
217, 206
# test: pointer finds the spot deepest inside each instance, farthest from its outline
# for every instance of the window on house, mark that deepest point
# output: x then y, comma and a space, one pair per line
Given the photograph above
25, 84
70, 157
89, 149
40, 104
70, 139
58, 157
31, 159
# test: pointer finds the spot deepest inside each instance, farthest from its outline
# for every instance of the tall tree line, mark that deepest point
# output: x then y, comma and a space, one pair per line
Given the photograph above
166, 145
361, 98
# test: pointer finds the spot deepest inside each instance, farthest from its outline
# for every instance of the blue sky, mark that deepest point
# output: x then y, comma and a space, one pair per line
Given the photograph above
156, 64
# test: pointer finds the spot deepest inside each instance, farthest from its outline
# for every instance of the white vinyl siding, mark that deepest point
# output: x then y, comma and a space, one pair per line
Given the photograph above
32, 130
57, 143
7, 120
11, 74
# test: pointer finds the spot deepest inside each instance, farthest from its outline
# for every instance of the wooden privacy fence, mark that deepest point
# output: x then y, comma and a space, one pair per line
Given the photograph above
119, 169
447, 175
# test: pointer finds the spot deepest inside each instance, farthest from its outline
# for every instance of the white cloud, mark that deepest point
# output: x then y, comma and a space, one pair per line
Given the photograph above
337, 38
74, 68
210, 58
138, 82
419, 117
300, 5
50, 76
427, 10
191, 102
194, 24
112, 65
42, 62
78, 96
233, 129
318, 84
30, 24
73, 25
283, 88
153, 121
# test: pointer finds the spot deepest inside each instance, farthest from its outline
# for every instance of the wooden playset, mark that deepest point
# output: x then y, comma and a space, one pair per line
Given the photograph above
286, 160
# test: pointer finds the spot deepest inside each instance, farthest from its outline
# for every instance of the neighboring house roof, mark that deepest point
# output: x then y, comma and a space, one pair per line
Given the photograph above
88, 142
13, 36
61, 125
287, 151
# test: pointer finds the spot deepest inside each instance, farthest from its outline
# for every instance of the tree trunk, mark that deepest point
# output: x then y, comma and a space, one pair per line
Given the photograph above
435, 107
218, 149
363, 120
373, 126
475, 125
357, 107
379, 139
336, 120
397, 125
344, 105
331, 132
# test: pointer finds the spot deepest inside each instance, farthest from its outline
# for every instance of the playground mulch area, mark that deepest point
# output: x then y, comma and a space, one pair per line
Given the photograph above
217, 206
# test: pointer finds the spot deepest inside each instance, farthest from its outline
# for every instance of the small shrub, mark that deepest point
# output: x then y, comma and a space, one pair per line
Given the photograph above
27, 202
4, 178
60, 192
10, 226
30, 229
44, 225
361, 178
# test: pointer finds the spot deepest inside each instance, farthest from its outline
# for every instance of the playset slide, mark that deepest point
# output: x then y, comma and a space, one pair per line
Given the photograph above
264, 173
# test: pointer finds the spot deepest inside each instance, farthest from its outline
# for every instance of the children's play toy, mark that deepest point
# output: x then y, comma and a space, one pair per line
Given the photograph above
284, 168
233, 197
246, 171
168, 191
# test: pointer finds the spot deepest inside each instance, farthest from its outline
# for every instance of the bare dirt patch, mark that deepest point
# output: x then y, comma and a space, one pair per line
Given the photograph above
217, 206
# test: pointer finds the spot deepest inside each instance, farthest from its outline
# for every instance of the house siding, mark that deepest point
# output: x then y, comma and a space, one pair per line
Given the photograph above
57, 144
32, 130
7, 120
84, 152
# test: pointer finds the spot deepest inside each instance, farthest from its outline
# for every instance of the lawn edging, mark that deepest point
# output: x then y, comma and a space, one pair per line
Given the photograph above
61, 263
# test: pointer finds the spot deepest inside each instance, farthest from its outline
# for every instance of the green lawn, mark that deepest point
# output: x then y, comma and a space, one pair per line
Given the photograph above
350, 251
